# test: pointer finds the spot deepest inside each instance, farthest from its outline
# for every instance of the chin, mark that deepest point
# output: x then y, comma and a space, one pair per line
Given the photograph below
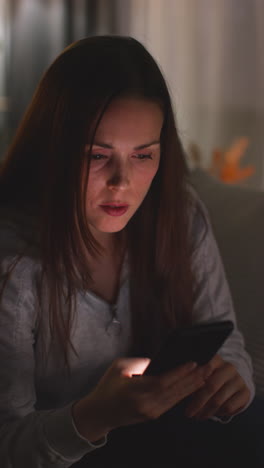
116, 229
112, 228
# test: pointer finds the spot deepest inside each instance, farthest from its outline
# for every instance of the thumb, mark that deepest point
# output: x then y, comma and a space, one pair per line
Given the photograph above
130, 366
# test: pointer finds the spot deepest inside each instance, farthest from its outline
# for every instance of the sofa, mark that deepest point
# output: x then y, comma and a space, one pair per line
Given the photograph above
237, 217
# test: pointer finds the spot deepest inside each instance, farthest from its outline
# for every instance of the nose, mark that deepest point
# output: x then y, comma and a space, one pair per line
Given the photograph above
119, 177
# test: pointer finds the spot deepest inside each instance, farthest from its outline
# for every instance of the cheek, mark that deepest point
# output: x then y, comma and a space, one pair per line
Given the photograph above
144, 180
150, 172
93, 186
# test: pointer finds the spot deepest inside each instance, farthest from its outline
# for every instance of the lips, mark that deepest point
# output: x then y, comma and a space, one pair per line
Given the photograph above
114, 209
115, 204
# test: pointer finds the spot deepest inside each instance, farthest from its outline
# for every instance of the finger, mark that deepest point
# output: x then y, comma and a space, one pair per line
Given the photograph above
211, 387
171, 384
234, 404
177, 374
169, 378
217, 400
216, 361
212, 365
186, 387
170, 396
156, 396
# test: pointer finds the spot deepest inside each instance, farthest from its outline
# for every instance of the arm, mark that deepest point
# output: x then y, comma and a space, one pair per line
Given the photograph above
28, 437
213, 300
62, 436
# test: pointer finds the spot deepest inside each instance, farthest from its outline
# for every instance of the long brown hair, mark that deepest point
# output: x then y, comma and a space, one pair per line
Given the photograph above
43, 169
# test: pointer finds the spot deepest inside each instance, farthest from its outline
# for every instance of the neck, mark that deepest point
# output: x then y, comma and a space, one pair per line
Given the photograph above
113, 245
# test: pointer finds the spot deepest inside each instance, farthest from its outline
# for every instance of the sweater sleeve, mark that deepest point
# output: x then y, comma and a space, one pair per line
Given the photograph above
212, 295
28, 437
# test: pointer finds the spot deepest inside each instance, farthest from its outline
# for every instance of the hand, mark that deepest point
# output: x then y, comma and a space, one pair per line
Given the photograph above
120, 398
224, 392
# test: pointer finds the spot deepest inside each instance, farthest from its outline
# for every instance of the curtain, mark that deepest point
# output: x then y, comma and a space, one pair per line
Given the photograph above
36, 31
211, 54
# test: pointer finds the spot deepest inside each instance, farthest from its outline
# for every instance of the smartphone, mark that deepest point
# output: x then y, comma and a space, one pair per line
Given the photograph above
198, 343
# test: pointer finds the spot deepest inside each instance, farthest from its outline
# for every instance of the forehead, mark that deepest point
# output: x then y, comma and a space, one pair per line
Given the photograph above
130, 118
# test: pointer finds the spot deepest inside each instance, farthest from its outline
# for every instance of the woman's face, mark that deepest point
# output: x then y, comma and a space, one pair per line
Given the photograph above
124, 160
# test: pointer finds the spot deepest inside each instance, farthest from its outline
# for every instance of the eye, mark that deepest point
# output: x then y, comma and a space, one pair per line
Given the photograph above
98, 156
142, 156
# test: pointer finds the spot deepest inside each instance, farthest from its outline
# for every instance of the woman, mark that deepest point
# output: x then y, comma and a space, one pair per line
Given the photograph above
104, 249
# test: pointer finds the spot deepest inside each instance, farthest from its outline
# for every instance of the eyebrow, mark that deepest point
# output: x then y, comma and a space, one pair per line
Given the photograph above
145, 145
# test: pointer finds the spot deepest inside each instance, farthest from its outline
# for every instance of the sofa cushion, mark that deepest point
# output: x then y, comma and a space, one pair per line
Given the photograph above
237, 216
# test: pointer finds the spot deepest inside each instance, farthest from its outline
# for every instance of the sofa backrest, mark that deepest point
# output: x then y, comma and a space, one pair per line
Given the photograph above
237, 216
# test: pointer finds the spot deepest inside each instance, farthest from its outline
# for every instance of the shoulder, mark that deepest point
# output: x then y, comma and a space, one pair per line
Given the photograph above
18, 232
19, 248
19, 276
